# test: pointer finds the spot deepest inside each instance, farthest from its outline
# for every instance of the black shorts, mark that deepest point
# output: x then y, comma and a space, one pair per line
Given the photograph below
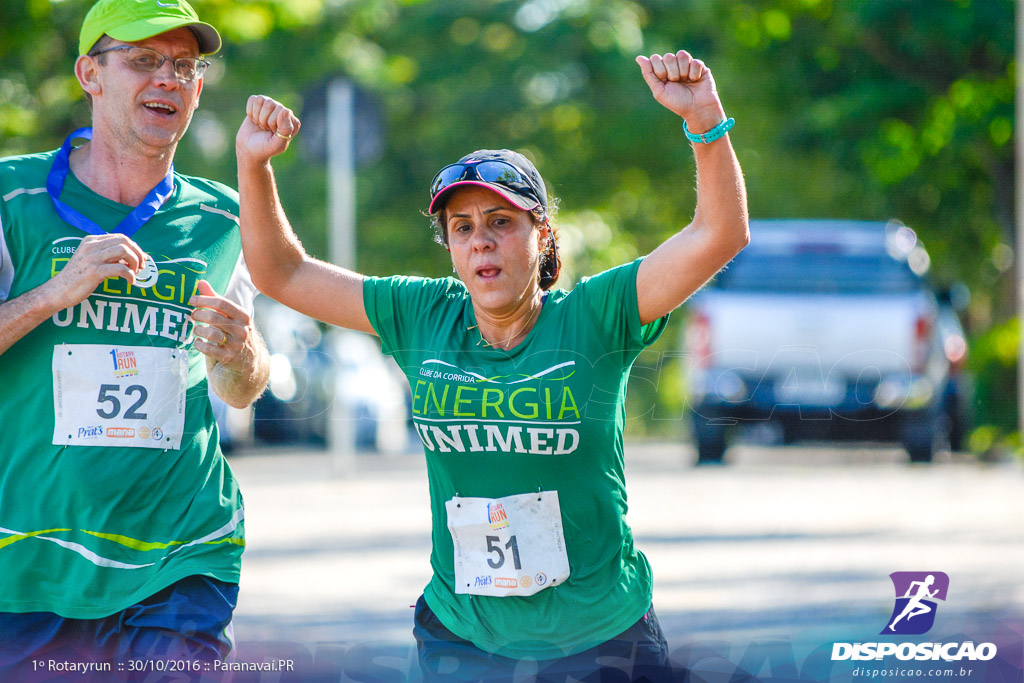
638, 654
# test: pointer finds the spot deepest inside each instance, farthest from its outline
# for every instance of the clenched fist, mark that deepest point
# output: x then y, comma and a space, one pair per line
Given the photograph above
685, 86
266, 131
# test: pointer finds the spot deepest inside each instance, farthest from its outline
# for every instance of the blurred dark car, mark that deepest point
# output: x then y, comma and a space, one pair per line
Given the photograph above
959, 389
296, 407
827, 330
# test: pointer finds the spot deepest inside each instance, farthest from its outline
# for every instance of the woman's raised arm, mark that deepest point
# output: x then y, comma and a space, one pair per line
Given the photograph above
683, 263
279, 266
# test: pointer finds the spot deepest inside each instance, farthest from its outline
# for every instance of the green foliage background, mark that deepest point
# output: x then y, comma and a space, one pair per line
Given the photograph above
869, 109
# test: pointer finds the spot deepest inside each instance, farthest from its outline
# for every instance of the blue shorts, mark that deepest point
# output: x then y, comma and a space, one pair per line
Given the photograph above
640, 653
190, 620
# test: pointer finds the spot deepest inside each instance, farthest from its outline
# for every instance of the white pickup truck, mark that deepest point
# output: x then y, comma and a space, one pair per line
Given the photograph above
828, 330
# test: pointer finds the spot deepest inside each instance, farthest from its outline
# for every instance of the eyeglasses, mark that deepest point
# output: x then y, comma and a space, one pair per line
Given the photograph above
147, 61
500, 172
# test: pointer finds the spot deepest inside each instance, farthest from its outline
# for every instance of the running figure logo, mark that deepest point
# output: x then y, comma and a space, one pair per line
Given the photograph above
916, 593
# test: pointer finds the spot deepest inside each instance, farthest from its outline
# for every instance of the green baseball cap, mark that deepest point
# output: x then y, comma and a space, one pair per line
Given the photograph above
131, 20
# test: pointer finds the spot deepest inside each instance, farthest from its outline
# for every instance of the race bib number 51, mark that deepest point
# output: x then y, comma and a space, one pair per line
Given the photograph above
119, 395
508, 546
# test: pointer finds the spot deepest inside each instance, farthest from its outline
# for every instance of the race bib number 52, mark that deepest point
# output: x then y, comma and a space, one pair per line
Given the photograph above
508, 546
119, 395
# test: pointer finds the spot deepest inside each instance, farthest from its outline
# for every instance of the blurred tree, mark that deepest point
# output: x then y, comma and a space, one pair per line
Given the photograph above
892, 108
872, 109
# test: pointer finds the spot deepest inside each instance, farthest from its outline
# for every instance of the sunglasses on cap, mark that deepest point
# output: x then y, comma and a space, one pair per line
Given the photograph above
499, 173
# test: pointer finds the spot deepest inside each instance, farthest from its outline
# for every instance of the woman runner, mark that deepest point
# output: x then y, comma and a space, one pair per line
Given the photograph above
518, 391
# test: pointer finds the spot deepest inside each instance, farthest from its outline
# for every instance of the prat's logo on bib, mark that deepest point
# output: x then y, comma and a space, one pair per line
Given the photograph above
90, 432
496, 516
125, 363
916, 596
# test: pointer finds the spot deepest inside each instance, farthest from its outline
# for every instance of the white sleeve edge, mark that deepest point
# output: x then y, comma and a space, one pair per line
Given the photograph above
6, 265
240, 288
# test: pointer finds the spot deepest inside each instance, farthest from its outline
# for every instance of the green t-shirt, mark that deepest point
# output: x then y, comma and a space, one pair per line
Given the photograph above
546, 415
89, 527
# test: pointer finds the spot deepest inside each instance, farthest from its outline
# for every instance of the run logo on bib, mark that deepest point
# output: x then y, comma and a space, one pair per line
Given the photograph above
496, 516
125, 363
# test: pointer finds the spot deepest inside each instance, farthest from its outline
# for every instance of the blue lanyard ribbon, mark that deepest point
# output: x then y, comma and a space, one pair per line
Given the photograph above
131, 223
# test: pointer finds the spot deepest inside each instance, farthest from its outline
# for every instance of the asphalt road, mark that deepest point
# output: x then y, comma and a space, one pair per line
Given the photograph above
783, 545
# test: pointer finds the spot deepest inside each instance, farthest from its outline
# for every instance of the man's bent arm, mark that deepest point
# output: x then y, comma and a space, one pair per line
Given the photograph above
96, 259
241, 382
21, 315
237, 361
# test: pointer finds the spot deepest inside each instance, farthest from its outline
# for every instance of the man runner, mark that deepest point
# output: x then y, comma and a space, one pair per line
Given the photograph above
121, 524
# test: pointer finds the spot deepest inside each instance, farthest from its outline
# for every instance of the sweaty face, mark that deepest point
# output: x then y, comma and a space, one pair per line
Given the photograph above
495, 247
151, 110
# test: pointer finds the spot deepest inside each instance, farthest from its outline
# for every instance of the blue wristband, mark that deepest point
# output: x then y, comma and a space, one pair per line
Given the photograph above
711, 135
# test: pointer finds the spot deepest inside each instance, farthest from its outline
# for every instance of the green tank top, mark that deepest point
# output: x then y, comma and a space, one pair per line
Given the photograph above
112, 484
524, 459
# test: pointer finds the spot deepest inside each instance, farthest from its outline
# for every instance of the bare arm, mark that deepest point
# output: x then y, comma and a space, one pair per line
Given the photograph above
237, 360
20, 316
279, 265
683, 263
96, 258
